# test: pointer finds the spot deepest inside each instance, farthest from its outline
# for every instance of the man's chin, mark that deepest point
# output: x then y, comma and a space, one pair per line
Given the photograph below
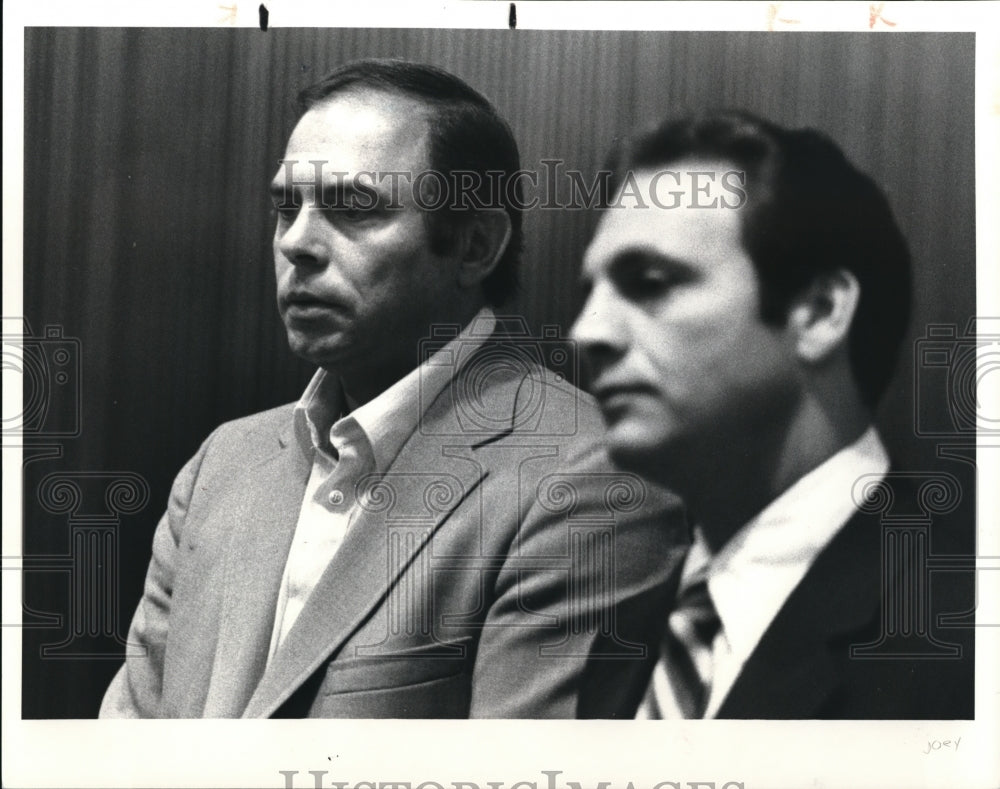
322, 353
642, 459
634, 447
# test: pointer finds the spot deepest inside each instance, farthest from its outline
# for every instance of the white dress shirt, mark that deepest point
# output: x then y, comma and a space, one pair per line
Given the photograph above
757, 570
345, 449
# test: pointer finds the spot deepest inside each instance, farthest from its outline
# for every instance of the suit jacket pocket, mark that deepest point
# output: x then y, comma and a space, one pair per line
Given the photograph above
445, 697
429, 681
393, 668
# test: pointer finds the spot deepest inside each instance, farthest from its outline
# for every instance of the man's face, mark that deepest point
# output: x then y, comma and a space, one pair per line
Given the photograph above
682, 364
357, 289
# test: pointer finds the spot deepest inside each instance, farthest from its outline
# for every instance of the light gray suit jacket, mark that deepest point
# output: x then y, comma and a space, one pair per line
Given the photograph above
482, 577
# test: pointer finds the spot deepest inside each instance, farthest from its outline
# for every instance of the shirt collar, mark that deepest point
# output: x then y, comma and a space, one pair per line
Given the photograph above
389, 419
756, 571
321, 404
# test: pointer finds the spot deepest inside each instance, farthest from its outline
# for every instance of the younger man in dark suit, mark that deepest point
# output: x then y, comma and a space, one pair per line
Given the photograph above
748, 293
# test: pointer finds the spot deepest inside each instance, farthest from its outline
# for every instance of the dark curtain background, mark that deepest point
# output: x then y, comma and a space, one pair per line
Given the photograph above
147, 240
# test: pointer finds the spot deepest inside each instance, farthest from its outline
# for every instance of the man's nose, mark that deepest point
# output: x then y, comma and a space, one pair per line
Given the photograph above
303, 242
601, 330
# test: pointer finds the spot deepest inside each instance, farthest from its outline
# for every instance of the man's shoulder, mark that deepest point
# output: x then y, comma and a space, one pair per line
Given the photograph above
263, 427
562, 407
273, 419
891, 661
541, 401
507, 393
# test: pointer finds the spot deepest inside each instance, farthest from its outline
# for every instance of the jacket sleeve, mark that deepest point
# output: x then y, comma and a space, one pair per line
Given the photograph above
136, 690
572, 629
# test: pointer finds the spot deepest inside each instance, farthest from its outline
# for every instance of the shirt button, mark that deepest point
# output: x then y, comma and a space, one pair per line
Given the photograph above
336, 497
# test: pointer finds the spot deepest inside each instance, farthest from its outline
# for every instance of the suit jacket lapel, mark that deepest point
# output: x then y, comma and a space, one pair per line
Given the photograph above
795, 668
263, 525
397, 515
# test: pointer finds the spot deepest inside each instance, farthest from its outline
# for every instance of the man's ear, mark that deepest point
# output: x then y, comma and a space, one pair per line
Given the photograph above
820, 318
484, 240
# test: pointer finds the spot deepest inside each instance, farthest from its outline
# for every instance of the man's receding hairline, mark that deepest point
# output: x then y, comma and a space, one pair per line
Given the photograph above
358, 91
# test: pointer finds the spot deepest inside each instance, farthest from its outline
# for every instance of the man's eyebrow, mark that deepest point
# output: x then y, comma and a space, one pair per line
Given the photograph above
334, 193
644, 256
618, 260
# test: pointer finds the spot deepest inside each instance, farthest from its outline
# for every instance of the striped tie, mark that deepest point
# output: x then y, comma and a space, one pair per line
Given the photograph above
685, 666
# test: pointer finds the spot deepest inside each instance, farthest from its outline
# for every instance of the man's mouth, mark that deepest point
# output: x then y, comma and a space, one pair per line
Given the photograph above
304, 304
615, 396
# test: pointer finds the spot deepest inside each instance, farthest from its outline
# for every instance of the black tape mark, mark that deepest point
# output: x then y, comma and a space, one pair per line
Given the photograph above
512, 17
263, 13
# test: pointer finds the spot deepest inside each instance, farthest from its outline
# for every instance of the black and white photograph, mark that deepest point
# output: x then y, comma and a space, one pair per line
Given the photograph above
604, 394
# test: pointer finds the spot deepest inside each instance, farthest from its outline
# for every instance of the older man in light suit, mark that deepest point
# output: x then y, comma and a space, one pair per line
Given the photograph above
434, 530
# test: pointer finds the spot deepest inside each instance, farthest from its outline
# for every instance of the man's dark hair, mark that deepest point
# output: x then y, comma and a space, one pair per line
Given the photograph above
466, 134
808, 212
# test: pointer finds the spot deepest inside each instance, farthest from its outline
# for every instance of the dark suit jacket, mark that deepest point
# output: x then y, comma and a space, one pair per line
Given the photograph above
835, 651
480, 577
